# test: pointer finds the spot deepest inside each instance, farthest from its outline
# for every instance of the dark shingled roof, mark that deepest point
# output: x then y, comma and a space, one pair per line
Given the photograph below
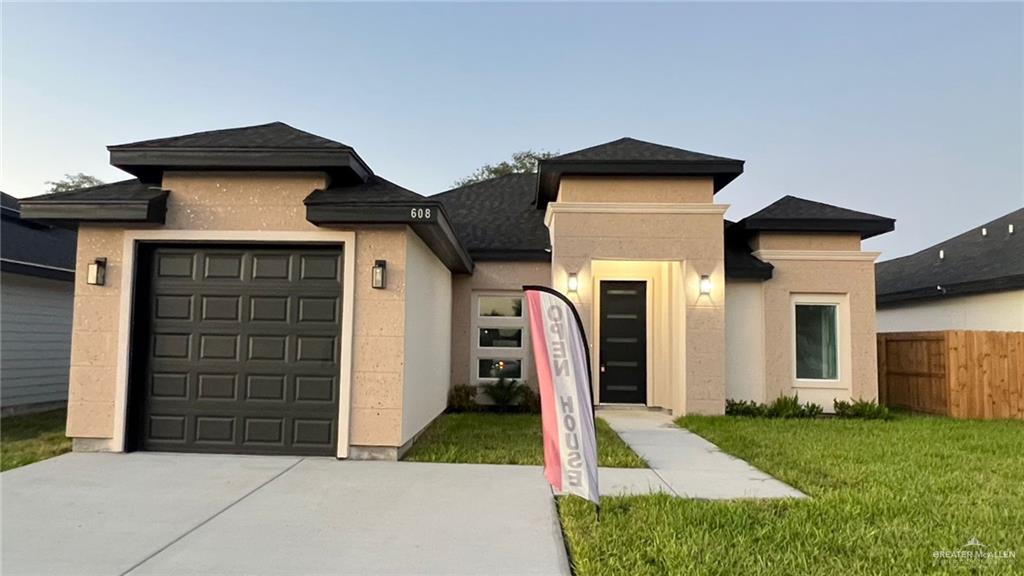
34, 249
633, 150
125, 201
972, 264
376, 189
496, 219
739, 259
629, 156
273, 135
125, 190
792, 214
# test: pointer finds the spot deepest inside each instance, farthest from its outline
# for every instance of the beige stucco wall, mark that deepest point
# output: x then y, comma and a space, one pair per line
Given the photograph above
683, 229
428, 324
744, 340
486, 277
855, 280
659, 189
92, 380
803, 241
221, 201
1003, 311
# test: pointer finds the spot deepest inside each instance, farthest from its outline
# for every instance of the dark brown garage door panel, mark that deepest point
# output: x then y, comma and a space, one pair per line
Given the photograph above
240, 349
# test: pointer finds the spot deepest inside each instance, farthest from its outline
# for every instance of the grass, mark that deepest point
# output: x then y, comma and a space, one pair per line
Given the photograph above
488, 438
884, 497
31, 438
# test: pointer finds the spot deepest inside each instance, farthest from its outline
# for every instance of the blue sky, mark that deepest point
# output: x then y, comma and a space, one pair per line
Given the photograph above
912, 111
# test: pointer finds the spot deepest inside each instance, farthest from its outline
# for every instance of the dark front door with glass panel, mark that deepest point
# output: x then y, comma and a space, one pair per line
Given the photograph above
623, 346
236, 349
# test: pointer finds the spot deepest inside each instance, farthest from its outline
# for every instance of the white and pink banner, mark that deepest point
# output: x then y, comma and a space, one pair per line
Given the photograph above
567, 410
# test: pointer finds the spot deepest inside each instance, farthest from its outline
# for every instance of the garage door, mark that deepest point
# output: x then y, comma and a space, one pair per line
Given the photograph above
236, 349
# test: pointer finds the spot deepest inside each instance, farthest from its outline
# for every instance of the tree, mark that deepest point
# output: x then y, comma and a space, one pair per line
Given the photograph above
73, 182
524, 162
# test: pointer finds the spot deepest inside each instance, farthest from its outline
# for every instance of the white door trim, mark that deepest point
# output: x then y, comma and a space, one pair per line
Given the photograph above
132, 238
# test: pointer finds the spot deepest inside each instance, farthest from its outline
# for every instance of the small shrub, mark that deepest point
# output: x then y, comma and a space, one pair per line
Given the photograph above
812, 410
530, 400
784, 407
863, 409
462, 398
743, 408
504, 393
781, 407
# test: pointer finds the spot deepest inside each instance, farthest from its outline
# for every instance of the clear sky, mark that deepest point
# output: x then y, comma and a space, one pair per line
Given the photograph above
912, 111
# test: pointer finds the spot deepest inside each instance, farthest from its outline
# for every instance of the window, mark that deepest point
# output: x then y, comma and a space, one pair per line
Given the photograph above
500, 339
501, 306
817, 342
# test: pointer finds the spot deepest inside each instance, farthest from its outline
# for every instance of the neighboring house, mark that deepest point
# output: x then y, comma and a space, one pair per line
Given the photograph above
267, 292
974, 281
37, 294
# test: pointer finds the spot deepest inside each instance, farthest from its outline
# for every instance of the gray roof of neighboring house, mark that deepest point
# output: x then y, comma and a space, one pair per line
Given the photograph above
496, 219
272, 135
32, 248
792, 214
972, 263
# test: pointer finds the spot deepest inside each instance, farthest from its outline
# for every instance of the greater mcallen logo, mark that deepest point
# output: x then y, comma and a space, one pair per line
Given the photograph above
974, 550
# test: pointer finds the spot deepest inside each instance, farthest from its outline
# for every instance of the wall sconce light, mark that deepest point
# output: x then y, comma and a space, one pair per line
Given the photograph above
380, 274
97, 274
574, 283
705, 285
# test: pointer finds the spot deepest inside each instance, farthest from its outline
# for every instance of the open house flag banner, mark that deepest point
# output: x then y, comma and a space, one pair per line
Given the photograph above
563, 372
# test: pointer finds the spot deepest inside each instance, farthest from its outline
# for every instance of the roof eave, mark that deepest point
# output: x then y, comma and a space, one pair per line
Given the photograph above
867, 228
149, 163
152, 210
935, 292
432, 225
550, 172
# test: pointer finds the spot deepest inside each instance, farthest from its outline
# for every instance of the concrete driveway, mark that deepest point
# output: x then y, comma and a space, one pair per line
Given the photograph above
151, 513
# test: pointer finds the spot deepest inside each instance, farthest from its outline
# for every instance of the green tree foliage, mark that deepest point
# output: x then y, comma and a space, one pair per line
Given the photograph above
73, 182
524, 162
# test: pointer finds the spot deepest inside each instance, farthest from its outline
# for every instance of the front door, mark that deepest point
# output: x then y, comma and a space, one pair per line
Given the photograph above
623, 345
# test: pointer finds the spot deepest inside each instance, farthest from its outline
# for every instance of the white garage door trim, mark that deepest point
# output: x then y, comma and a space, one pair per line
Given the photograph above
131, 242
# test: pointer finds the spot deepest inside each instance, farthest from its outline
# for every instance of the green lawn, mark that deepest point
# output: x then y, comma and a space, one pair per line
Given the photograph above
885, 496
488, 438
31, 438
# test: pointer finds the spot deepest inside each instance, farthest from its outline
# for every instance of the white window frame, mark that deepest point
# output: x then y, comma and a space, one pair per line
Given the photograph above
843, 352
477, 352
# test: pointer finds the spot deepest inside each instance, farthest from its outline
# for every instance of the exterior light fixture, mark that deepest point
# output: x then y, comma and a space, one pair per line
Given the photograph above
97, 274
705, 285
574, 283
380, 274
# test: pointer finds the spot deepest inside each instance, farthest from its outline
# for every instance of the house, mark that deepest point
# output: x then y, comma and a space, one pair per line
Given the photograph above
974, 281
267, 292
37, 291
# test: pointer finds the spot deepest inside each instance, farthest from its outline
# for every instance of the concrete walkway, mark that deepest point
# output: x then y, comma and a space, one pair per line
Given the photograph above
682, 463
152, 513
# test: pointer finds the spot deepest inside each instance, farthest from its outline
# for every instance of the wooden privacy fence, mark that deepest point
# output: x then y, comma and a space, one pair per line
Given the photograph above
963, 374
